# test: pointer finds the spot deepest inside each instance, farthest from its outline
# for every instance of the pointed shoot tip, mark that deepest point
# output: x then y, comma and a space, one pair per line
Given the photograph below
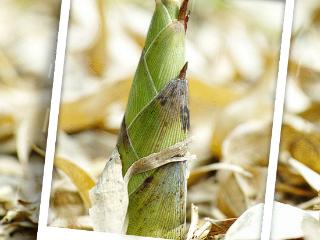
183, 10
183, 15
183, 72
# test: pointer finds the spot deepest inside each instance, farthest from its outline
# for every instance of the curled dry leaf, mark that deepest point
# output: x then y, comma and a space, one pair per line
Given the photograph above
256, 108
78, 176
219, 228
246, 146
311, 228
194, 221
87, 111
309, 82
24, 215
302, 140
309, 175
312, 114
97, 54
110, 198
287, 223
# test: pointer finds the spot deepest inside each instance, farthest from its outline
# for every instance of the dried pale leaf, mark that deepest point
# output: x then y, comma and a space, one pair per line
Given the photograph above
253, 187
6, 126
97, 54
242, 191
248, 144
310, 203
247, 226
62, 198
203, 192
8, 73
309, 82
95, 143
312, 114
27, 109
203, 94
307, 151
69, 148
202, 231
199, 172
308, 174
24, 214
311, 228
9, 146
78, 222
194, 221
110, 198
78, 176
255, 107
8, 188
303, 146
87, 111
23, 134
300, 124
10, 166
231, 200
65, 204
287, 223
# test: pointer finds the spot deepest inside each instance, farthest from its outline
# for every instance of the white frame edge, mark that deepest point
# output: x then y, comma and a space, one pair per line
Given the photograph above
277, 119
54, 116
54, 233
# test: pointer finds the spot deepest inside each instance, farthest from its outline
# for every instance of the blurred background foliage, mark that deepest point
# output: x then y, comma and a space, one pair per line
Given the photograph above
299, 167
27, 47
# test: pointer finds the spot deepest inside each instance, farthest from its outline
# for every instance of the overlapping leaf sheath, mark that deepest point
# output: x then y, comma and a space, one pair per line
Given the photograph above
157, 117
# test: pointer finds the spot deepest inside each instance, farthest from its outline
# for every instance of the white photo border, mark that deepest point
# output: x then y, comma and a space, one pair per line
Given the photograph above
46, 232
277, 119
53, 118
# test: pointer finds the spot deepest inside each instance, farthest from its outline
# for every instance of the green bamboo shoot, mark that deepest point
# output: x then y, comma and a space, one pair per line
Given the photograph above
156, 118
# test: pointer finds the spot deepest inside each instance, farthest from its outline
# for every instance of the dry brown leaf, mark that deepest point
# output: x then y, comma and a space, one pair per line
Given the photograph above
6, 126
97, 54
220, 228
255, 108
305, 147
89, 110
78, 176
199, 172
309, 175
248, 144
22, 217
231, 200
312, 114
213, 95
309, 82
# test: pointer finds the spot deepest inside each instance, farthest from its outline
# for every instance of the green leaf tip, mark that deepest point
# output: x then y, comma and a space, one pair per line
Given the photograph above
172, 7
